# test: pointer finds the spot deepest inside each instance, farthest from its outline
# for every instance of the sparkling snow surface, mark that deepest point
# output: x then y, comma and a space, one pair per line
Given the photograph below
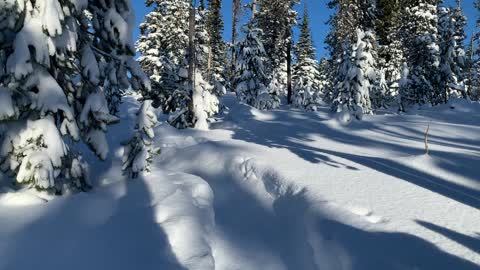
275, 190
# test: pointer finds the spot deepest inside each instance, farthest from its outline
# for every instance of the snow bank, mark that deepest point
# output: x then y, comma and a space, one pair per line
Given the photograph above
158, 221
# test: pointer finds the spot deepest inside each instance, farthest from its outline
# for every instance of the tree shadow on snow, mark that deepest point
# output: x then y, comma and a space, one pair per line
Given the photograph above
358, 249
279, 134
470, 242
95, 230
287, 233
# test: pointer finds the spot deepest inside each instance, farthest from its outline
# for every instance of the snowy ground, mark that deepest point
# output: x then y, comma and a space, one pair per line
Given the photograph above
269, 190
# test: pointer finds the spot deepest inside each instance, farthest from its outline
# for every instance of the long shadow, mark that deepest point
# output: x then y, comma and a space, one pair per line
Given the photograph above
364, 250
473, 243
261, 234
93, 231
276, 134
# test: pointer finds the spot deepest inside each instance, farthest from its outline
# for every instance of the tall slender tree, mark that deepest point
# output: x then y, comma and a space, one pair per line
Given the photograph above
277, 37
217, 57
236, 8
306, 74
422, 52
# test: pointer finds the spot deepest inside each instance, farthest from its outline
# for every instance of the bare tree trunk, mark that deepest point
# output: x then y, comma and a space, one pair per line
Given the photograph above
209, 63
289, 69
254, 8
235, 10
470, 67
191, 54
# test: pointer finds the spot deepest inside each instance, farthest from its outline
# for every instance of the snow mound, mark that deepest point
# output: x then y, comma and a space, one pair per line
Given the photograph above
464, 105
20, 199
158, 221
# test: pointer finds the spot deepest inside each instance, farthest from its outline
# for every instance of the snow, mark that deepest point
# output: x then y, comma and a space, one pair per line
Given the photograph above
90, 65
280, 189
37, 162
7, 109
46, 95
12, 199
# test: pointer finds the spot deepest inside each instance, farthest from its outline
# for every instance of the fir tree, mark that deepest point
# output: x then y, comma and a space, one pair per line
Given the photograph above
306, 74
138, 152
216, 73
391, 51
250, 79
164, 47
348, 15
325, 79
452, 57
61, 62
276, 18
358, 74
420, 38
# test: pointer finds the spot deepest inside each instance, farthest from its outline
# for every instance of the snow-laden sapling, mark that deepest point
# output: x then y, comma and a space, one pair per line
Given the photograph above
138, 152
359, 78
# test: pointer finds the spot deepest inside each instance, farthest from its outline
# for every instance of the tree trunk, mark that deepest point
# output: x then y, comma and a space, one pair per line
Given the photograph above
289, 69
235, 11
191, 54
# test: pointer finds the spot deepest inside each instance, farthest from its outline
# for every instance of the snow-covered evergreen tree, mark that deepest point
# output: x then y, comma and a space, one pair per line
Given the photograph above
164, 49
390, 51
276, 18
358, 74
420, 37
325, 79
306, 90
139, 151
60, 64
348, 15
452, 58
474, 70
163, 46
250, 78
392, 58
218, 59
202, 40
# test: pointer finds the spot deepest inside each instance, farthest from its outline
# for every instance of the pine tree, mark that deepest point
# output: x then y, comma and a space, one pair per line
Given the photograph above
164, 37
358, 74
475, 64
277, 35
348, 15
452, 57
164, 47
391, 51
138, 152
250, 76
422, 52
202, 40
459, 21
218, 49
325, 79
306, 74
61, 62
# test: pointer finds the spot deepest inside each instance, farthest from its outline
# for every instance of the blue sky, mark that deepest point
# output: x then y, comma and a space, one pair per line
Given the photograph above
319, 14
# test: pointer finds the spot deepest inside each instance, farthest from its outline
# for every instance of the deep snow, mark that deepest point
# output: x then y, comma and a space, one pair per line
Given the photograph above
276, 190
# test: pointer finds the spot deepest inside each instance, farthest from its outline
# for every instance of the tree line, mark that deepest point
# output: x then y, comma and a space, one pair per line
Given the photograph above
65, 65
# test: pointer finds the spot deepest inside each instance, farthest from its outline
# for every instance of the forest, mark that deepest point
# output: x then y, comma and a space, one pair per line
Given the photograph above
213, 138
